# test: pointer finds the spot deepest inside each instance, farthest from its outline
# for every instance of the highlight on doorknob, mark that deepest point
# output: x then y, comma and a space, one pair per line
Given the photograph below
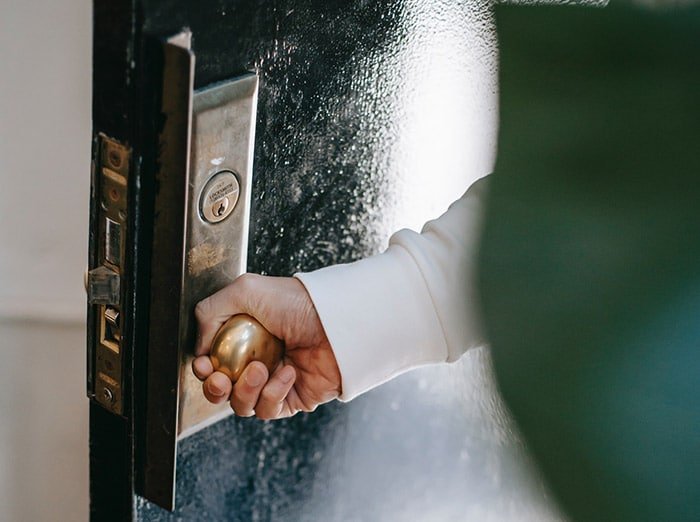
242, 340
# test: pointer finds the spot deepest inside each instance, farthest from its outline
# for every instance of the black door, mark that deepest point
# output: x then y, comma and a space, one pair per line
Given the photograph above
372, 115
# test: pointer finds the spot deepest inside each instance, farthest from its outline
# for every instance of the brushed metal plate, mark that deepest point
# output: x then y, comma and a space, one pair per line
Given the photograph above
223, 127
205, 133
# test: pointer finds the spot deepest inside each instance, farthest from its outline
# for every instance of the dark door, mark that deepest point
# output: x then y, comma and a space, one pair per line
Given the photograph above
372, 116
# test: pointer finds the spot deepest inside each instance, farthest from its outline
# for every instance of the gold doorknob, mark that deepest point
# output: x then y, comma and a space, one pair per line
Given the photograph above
242, 340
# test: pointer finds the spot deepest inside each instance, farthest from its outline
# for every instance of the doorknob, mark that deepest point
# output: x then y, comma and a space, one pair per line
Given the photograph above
242, 340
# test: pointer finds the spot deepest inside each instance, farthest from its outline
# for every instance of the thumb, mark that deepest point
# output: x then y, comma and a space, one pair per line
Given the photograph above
212, 312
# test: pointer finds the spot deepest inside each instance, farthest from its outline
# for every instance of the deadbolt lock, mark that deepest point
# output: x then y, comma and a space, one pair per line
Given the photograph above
219, 196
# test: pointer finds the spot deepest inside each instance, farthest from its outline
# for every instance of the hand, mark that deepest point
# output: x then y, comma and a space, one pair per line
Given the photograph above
308, 375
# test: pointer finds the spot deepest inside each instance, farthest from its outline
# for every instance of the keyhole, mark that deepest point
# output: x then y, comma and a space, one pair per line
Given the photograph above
220, 209
219, 197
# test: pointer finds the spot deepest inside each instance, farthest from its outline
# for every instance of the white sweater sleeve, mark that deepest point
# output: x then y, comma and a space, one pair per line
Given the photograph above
412, 305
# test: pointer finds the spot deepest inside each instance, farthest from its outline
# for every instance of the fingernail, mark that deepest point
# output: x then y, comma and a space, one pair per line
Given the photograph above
254, 377
286, 375
215, 390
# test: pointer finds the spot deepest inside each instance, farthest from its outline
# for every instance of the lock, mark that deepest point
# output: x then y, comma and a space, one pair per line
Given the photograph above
219, 197
103, 281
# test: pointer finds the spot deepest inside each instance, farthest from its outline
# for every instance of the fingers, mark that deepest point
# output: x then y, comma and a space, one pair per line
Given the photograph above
247, 389
217, 387
202, 367
272, 403
253, 394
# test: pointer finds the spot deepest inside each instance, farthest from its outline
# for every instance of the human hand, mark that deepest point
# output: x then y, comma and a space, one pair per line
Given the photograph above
307, 376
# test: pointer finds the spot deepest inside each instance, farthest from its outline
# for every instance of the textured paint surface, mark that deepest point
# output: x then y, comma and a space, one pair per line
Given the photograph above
372, 116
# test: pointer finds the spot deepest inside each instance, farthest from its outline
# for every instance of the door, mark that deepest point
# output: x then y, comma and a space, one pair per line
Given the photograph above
370, 116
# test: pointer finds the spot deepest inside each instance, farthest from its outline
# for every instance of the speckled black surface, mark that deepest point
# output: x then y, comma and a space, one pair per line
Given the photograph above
335, 156
315, 186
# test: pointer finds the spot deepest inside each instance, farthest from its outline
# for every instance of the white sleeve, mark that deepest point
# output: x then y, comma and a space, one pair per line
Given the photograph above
412, 305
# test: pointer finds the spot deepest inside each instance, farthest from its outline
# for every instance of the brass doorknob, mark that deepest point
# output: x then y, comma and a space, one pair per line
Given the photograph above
242, 340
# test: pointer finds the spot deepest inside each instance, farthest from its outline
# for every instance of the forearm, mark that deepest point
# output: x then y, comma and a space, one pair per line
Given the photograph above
412, 305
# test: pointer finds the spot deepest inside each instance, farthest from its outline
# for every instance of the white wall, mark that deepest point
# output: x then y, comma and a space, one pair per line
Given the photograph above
43, 423
45, 84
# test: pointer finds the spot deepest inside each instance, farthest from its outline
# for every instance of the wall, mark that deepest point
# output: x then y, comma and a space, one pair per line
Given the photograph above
45, 53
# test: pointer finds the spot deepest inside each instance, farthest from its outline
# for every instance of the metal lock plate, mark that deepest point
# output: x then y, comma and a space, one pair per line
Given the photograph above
216, 247
103, 279
200, 239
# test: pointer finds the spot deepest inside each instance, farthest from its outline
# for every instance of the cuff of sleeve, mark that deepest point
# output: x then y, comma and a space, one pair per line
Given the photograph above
378, 318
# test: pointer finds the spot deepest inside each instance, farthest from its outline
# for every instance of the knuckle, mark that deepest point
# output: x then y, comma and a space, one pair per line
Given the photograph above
241, 410
264, 414
270, 394
243, 398
202, 309
245, 282
310, 408
247, 285
308, 405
